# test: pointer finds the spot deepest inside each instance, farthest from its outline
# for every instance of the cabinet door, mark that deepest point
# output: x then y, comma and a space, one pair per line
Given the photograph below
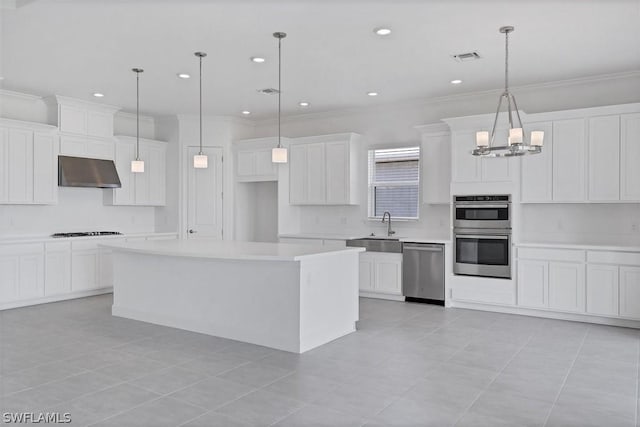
566, 286
57, 272
630, 292
100, 149
75, 146
388, 273
569, 158
20, 165
246, 164
4, 168
536, 171
630, 157
72, 119
316, 174
337, 172
366, 272
533, 283
84, 270
106, 268
298, 174
435, 161
31, 284
45, 169
9, 277
466, 167
604, 158
264, 167
602, 289
496, 169
125, 152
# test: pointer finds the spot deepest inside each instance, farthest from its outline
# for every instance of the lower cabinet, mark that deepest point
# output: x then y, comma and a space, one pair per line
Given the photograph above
85, 266
630, 292
57, 260
533, 283
21, 272
602, 290
381, 273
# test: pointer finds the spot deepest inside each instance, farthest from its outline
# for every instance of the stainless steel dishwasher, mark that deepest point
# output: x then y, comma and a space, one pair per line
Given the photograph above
423, 272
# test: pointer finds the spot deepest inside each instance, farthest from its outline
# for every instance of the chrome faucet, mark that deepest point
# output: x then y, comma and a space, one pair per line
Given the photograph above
390, 232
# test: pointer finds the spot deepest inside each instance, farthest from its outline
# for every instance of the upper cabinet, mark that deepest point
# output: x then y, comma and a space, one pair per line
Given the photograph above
435, 161
28, 163
86, 128
591, 156
325, 170
139, 189
253, 160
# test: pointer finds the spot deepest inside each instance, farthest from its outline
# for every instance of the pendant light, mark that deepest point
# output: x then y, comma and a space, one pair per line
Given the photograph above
200, 160
516, 145
279, 154
137, 165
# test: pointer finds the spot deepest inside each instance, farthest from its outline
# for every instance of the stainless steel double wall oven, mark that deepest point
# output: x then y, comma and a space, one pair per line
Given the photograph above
482, 235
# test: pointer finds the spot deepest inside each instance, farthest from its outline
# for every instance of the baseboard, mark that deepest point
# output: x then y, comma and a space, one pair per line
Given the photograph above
575, 317
55, 298
382, 296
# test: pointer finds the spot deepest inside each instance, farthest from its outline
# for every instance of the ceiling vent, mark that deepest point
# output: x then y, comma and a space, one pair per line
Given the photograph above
268, 91
468, 56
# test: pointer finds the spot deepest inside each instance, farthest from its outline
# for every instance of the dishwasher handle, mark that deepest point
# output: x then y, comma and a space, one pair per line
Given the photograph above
422, 248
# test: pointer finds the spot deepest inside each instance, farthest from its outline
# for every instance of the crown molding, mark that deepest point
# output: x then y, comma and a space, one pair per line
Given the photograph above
422, 102
224, 119
132, 116
20, 95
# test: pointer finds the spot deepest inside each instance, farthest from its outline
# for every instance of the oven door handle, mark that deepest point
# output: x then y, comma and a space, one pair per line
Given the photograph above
481, 206
480, 236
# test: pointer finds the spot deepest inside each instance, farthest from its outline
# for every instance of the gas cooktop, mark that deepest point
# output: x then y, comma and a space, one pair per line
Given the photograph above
87, 233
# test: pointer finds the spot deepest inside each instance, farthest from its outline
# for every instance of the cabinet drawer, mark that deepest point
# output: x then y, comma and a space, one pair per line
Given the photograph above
570, 255
22, 249
621, 258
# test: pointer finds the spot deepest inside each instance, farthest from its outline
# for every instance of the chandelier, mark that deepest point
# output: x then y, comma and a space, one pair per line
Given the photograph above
516, 145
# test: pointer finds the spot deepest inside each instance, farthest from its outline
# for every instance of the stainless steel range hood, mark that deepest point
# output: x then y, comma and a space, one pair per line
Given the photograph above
85, 172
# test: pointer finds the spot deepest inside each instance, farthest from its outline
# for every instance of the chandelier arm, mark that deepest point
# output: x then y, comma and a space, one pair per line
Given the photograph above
509, 109
515, 105
495, 121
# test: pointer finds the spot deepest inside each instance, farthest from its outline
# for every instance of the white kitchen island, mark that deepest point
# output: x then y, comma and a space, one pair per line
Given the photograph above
285, 296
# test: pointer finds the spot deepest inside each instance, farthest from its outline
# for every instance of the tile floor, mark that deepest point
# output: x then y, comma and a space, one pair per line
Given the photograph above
407, 365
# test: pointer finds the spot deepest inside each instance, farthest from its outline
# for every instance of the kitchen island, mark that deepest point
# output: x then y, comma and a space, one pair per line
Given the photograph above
285, 296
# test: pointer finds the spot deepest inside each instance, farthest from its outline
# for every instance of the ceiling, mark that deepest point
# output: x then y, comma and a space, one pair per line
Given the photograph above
331, 57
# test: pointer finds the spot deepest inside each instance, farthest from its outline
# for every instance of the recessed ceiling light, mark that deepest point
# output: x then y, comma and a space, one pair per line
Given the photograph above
246, 112
98, 95
456, 82
372, 93
382, 31
184, 76
257, 59
303, 104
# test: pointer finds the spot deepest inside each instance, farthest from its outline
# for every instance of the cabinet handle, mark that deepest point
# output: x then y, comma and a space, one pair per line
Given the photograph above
191, 231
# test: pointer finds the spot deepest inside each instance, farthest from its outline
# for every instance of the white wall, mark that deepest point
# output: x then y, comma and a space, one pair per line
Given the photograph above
393, 125
256, 206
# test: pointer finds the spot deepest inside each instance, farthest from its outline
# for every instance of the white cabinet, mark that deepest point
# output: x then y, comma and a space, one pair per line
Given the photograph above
380, 273
602, 289
569, 160
21, 272
604, 158
630, 157
141, 189
28, 163
536, 171
84, 146
75, 116
630, 292
85, 265
255, 165
469, 168
435, 164
323, 170
533, 283
57, 268
566, 286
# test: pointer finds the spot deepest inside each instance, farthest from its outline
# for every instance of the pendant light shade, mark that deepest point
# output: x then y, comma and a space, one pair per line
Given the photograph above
515, 145
200, 160
137, 165
279, 154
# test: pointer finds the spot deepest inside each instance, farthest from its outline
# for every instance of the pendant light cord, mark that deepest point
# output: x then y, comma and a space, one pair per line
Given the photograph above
137, 115
200, 152
506, 62
279, 87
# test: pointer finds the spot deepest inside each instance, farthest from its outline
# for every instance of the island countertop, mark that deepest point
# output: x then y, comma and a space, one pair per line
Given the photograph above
227, 249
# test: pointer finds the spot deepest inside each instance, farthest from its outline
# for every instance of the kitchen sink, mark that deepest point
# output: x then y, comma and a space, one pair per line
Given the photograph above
377, 244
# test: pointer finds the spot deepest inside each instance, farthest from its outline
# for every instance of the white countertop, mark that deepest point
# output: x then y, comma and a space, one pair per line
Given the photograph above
592, 247
48, 238
227, 249
328, 236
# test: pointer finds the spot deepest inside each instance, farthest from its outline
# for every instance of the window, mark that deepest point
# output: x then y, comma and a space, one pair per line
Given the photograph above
394, 182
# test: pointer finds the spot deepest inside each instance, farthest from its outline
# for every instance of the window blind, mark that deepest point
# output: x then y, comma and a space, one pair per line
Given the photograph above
394, 182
